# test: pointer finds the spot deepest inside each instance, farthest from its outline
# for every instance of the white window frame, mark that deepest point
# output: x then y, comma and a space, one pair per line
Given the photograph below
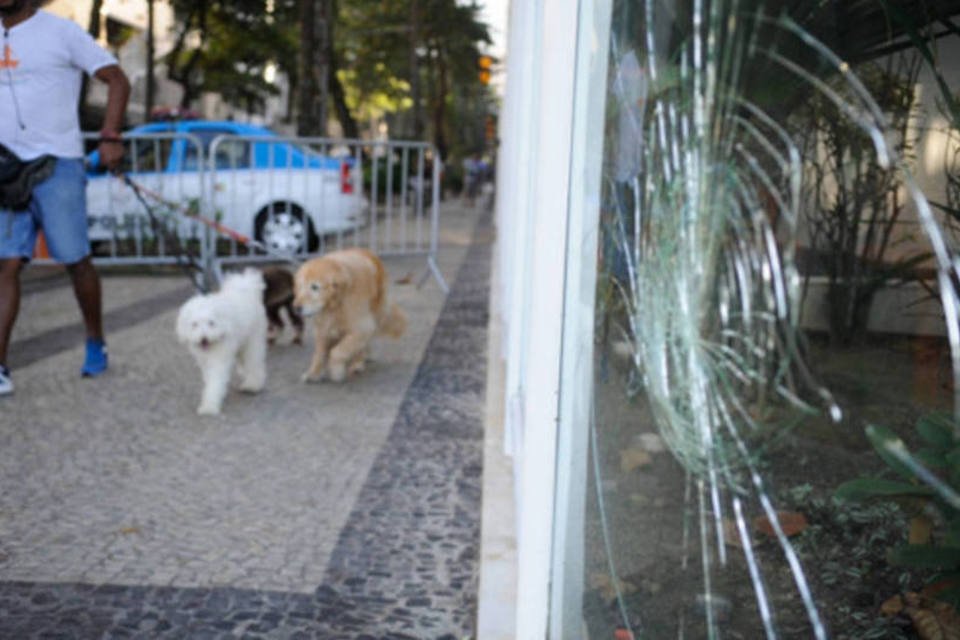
576, 365
548, 191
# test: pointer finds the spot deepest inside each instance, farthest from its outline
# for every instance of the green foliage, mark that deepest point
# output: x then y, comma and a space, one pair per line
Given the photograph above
853, 205
931, 502
384, 181
453, 177
844, 549
395, 52
919, 27
375, 39
225, 46
389, 95
866, 488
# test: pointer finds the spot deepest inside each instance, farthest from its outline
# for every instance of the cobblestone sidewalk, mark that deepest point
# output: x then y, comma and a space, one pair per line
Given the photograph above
318, 511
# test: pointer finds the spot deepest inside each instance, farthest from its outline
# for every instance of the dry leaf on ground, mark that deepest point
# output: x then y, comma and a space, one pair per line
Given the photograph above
651, 442
731, 535
892, 606
791, 522
932, 619
634, 458
604, 584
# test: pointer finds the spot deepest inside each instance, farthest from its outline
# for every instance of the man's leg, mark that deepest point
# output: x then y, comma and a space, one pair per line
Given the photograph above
9, 301
61, 203
86, 286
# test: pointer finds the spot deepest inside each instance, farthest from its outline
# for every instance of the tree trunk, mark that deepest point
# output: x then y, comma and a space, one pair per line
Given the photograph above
148, 98
314, 67
337, 93
93, 28
183, 75
415, 69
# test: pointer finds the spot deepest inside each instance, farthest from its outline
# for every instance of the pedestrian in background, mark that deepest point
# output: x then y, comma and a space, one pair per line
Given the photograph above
41, 68
472, 177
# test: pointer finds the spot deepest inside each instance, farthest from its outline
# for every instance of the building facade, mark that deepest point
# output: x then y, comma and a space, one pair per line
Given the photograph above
675, 422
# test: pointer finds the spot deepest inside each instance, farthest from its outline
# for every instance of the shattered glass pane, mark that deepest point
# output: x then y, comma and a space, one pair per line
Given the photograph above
775, 446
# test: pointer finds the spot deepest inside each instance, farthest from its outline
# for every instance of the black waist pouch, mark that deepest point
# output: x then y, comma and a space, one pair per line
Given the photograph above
18, 178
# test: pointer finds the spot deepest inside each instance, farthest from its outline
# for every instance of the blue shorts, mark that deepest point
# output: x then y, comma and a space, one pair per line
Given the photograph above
59, 207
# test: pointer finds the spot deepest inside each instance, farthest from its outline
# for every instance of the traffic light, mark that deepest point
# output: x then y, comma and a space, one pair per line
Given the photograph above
484, 63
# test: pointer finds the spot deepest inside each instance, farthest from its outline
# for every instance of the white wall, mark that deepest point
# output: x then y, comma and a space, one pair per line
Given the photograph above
132, 12
937, 142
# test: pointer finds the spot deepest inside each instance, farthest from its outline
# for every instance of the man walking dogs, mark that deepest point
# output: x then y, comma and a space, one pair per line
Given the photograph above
41, 66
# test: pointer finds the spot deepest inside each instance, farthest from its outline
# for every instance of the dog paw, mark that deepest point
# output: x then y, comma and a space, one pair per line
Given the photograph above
310, 376
357, 367
338, 372
251, 388
208, 410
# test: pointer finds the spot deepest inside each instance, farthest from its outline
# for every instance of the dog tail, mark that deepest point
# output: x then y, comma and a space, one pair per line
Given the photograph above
248, 281
393, 322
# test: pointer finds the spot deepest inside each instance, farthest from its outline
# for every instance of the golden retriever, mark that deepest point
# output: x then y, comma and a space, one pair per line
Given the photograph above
344, 294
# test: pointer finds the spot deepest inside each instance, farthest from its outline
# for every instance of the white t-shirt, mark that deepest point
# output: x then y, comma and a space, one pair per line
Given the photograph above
40, 77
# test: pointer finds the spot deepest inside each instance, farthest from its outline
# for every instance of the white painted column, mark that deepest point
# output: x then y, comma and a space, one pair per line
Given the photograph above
538, 165
542, 310
576, 366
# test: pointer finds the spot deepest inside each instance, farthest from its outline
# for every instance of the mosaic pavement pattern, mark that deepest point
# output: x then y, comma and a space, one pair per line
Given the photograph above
405, 562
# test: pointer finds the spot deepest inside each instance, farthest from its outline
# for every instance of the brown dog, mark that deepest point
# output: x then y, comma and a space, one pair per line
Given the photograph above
345, 294
279, 295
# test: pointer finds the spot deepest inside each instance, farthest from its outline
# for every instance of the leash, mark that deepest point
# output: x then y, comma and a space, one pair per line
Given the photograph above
141, 191
191, 265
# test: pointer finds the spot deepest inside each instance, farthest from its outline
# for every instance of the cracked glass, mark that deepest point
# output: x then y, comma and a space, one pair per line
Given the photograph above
774, 444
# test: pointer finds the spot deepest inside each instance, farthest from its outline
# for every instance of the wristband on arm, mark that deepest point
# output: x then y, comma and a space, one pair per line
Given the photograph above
110, 136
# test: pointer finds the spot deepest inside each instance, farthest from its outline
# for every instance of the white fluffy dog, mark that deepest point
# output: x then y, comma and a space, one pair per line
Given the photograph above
226, 328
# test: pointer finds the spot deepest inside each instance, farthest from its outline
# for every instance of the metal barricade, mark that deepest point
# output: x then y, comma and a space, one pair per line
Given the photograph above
269, 198
124, 229
298, 197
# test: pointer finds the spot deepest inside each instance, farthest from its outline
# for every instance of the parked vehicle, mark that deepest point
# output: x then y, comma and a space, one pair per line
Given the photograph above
279, 191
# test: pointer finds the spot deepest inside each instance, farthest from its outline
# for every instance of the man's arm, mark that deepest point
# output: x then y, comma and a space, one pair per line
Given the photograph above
118, 93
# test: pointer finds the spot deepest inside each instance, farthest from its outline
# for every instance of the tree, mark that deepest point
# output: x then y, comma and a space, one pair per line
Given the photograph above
313, 67
337, 91
398, 59
225, 46
318, 67
855, 206
414, 55
453, 35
